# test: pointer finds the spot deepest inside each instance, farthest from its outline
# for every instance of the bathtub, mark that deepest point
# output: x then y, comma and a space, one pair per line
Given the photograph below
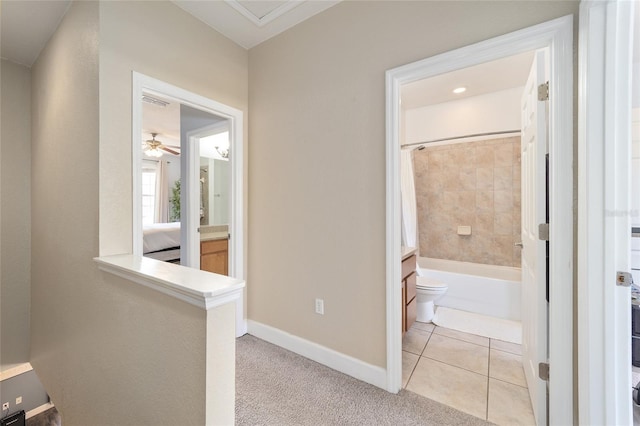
483, 289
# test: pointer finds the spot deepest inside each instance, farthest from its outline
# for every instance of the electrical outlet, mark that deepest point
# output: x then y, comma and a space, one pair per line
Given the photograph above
5, 406
320, 306
19, 400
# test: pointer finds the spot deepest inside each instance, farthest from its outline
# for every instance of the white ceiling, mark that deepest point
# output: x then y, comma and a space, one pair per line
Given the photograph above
249, 23
489, 77
27, 25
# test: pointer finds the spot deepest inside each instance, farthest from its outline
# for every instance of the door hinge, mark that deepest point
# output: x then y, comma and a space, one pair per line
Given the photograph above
624, 279
543, 371
543, 92
543, 232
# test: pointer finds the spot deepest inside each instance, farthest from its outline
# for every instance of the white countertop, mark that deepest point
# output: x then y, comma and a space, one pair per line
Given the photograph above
407, 251
209, 236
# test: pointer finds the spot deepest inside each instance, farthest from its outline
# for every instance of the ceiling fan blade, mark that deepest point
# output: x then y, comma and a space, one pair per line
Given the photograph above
170, 151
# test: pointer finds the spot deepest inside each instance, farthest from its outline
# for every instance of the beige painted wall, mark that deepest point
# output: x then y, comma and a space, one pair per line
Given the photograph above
317, 176
474, 184
15, 225
108, 351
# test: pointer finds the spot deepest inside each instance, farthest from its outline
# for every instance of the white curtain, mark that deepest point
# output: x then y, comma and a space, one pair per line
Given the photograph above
408, 195
162, 193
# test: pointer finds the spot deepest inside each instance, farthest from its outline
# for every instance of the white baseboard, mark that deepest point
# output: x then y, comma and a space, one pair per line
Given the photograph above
346, 364
15, 371
38, 410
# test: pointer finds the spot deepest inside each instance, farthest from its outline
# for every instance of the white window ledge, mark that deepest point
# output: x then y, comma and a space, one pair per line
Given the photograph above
200, 288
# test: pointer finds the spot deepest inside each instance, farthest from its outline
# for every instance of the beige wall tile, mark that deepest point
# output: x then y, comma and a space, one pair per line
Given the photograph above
485, 156
437, 159
503, 201
484, 178
503, 178
503, 223
475, 184
484, 201
503, 155
468, 178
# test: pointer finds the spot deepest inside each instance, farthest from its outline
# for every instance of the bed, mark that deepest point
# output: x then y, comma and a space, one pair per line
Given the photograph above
161, 241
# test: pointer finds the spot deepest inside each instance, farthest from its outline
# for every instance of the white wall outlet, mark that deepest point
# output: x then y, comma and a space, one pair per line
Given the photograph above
320, 306
5, 406
19, 400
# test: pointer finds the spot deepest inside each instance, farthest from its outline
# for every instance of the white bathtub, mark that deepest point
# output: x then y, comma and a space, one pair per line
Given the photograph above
483, 289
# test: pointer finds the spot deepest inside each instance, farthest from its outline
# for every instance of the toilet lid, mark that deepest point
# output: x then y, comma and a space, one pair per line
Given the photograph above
425, 282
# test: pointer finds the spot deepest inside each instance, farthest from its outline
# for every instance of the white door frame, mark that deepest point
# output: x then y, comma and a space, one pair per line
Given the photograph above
557, 36
604, 225
142, 83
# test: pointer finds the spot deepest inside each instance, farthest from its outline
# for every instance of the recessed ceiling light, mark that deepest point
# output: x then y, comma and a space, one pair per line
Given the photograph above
459, 90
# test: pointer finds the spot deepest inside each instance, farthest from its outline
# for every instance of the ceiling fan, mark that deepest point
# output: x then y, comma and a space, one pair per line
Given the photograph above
155, 148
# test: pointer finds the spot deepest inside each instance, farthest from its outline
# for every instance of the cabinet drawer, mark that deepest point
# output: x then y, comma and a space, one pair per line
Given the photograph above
412, 313
411, 287
213, 246
408, 266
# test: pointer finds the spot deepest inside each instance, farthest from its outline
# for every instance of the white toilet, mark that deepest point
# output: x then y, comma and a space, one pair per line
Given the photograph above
428, 291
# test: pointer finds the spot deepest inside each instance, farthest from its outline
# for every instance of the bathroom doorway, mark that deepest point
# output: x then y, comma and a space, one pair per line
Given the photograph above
557, 37
463, 132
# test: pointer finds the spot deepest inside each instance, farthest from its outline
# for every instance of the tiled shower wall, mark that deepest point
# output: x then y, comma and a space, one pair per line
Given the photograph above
475, 184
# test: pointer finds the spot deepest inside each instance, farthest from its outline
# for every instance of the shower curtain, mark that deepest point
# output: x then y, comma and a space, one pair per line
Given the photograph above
409, 214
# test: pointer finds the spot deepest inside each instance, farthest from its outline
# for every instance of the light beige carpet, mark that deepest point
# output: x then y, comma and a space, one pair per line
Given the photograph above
277, 387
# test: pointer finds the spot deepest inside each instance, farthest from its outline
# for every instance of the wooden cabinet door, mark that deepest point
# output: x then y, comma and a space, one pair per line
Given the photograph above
214, 256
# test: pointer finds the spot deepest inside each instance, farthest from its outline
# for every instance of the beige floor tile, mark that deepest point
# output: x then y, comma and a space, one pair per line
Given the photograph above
513, 348
509, 404
415, 340
471, 338
423, 326
453, 386
409, 362
506, 367
458, 353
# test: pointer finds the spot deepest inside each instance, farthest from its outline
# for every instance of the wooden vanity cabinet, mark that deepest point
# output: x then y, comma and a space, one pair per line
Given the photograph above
409, 302
214, 256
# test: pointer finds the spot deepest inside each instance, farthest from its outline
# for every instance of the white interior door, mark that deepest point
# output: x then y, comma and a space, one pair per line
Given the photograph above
534, 303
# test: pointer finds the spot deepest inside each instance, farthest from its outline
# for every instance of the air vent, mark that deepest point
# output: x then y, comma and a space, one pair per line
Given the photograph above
154, 101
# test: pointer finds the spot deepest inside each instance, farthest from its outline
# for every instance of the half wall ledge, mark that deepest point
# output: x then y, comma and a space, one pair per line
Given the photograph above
199, 288
218, 296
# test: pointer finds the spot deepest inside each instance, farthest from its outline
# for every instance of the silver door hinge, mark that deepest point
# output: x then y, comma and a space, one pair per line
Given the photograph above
624, 279
543, 232
543, 371
543, 92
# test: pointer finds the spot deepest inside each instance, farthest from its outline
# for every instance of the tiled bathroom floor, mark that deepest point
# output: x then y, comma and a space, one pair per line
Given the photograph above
474, 374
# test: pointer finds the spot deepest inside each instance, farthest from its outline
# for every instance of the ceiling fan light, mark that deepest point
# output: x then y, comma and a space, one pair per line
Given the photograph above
153, 152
